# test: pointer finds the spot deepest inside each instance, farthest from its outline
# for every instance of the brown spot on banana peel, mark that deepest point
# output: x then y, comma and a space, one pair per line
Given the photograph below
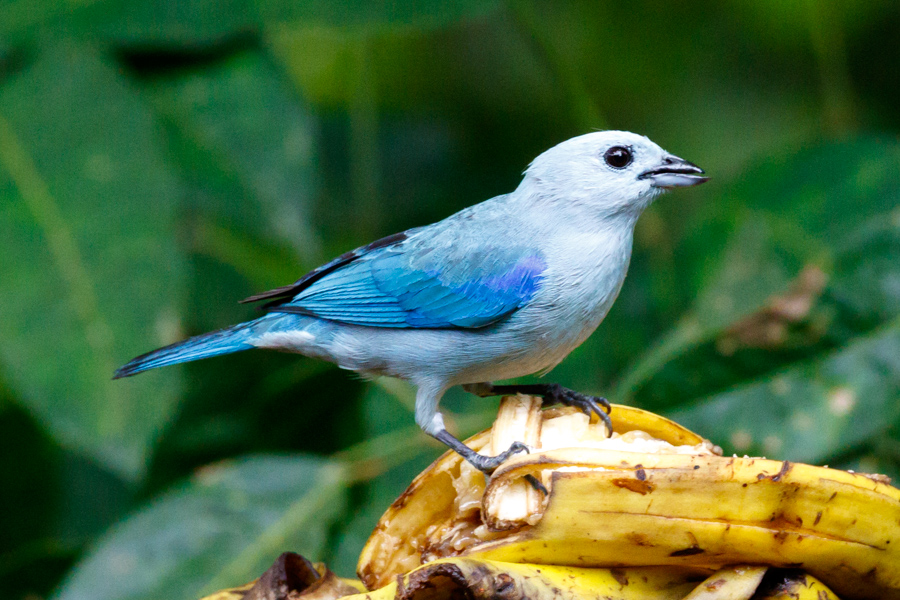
781, 536
462, 580
423, 582
639, 486
691, 551
620, 576
786, 467
639, 539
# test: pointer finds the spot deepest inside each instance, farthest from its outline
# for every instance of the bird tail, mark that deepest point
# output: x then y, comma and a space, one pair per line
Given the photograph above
223, 341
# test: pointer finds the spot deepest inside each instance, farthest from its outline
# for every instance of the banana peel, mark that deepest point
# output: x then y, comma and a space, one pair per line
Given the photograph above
493, 580
654, 494
652, 512
708, 511
730, 583
440, 512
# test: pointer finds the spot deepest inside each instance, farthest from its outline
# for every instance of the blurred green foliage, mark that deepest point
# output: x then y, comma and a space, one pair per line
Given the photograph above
160, 160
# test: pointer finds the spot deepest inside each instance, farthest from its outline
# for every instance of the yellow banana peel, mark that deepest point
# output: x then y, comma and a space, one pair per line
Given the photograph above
707, 511
730, 583
650, 512
638, 499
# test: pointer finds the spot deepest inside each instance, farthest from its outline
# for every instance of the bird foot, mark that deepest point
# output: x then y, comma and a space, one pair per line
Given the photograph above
536, 484
553, 393
587, 404
485, 464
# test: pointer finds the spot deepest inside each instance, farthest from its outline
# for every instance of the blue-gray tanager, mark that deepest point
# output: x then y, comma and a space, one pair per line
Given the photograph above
501, 289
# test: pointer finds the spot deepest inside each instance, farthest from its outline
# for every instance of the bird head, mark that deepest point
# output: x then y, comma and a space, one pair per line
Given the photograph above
610, 171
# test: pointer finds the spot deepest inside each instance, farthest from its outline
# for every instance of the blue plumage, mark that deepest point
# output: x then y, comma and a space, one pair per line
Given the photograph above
383, 288
502, 289
216, 343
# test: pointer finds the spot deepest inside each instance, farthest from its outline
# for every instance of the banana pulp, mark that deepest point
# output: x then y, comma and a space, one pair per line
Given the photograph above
652, 495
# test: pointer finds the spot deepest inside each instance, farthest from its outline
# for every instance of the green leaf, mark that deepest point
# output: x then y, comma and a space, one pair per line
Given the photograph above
220, 529
816, 316
18, 18
252, 143
198, 24
186, 24
90, 269
376, 497
776, 220
866, 283
395, 450
373, 14
134, 24
812, 411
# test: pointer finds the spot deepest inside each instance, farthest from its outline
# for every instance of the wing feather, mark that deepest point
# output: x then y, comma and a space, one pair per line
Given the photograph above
385, 289
448, 275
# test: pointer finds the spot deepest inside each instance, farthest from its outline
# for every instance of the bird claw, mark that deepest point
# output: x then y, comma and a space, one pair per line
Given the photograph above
487, 464
589, 405
536, 484
553, 393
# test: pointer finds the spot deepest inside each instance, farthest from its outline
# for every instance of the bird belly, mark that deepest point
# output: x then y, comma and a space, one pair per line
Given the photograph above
531, 341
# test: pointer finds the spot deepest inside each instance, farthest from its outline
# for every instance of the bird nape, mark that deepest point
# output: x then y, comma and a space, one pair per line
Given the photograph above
504, 288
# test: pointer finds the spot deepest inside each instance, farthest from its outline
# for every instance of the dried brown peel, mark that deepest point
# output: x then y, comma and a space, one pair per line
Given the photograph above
292, 577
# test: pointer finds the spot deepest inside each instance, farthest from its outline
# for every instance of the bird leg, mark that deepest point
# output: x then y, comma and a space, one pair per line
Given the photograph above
432, 423
485, 464
552, 393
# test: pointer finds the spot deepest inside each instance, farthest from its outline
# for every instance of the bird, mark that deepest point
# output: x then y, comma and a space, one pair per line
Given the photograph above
502, 289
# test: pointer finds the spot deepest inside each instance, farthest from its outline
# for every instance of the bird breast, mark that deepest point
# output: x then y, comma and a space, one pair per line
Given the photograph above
585, 270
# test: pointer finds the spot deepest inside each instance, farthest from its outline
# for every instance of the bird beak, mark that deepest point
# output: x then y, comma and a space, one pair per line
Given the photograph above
674, 172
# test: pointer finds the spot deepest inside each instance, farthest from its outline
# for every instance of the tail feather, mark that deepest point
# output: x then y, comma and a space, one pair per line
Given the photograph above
223, 341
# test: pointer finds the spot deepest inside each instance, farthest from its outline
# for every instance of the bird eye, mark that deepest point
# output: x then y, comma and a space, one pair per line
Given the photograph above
618, 157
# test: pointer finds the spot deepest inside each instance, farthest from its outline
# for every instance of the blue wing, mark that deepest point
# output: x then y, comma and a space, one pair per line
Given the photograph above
436, 279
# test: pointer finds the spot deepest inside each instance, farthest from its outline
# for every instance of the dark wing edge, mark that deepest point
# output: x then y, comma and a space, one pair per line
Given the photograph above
286, 293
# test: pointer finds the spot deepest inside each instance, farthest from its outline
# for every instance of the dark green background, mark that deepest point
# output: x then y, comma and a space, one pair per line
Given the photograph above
161, 160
